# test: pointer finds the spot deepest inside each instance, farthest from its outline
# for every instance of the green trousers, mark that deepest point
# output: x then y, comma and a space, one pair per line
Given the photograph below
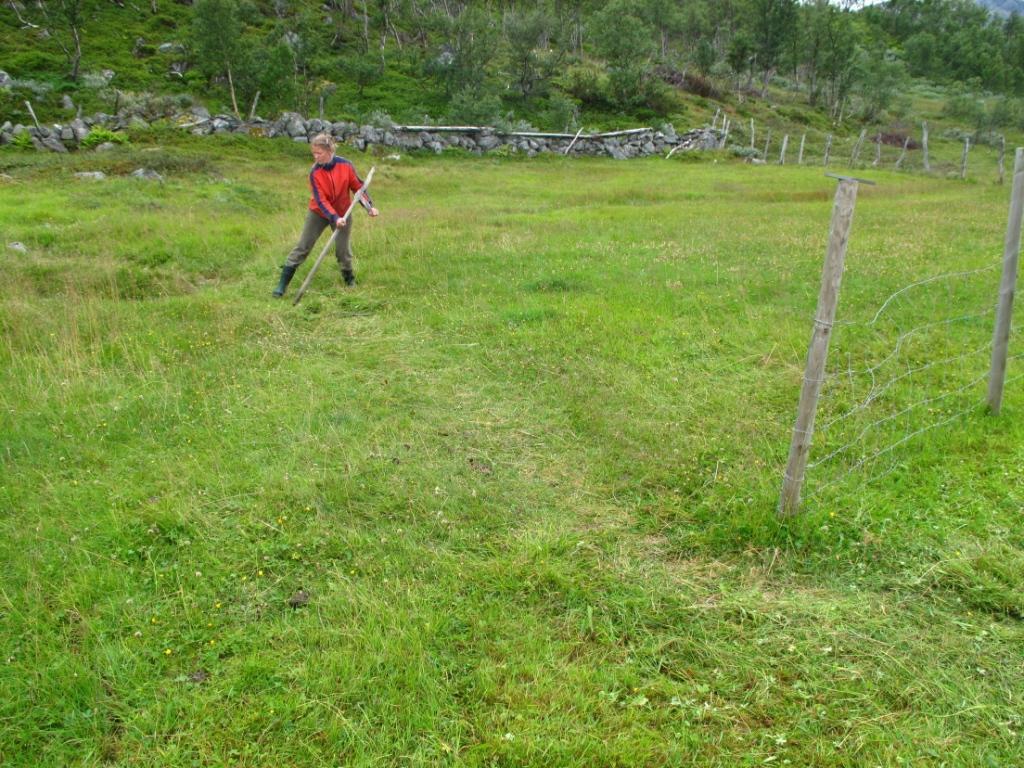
315, 224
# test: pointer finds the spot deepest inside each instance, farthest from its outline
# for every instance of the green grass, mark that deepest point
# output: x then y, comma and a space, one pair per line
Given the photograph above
526, 471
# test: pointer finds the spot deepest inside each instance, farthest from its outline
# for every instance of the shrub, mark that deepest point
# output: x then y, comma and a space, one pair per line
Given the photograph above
100, 135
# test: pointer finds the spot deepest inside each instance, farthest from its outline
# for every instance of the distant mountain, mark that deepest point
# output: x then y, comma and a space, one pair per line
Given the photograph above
1003, 7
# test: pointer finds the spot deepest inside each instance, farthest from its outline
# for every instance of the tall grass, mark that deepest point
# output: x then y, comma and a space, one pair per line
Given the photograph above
524, 473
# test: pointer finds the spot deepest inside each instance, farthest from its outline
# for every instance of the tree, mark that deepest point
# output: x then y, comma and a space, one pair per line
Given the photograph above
741, 56
773, 23
626, 42
881, 75
217, 35
64, 20
531, 60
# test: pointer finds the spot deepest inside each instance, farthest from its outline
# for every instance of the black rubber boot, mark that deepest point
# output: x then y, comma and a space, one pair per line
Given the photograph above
287, 273
349, 277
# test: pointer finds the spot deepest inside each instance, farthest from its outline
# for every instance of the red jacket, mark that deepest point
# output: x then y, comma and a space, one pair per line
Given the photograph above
331, 184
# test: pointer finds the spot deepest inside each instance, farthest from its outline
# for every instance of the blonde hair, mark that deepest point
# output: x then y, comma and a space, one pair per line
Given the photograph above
324, 140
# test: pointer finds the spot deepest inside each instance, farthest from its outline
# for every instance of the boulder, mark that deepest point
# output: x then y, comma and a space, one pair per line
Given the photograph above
79, 129
66, 102
91, 175
6, 81
147, 174
106, 146
293, 124
18, 247
53, 144
488, 141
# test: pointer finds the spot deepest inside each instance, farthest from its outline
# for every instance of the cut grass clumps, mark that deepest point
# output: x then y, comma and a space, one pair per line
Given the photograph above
989, 579
49, 278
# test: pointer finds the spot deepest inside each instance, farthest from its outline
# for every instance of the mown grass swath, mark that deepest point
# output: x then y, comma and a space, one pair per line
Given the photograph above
525, 473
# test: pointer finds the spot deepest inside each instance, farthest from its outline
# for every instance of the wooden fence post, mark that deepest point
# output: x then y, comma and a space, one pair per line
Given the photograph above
878, 150
751, 133
903, 154
1002, 156
1011, 253
767, 141
817, 354
856, 147
828, 149
963, 158
924, 146
800, 157
782, 153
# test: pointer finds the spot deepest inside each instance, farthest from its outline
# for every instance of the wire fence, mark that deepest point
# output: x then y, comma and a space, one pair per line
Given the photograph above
917, 365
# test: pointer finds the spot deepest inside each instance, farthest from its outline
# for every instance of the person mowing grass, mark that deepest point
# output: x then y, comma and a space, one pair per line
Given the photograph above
332, 180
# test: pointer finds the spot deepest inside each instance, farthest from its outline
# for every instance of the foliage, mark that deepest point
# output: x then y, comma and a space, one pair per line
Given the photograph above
608, 57
99, 135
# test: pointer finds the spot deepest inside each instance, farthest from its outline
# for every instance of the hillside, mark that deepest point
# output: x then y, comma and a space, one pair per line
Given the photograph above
552, 66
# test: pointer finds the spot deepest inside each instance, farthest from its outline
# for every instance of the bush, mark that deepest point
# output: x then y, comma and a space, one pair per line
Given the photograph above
475, 107
586, 82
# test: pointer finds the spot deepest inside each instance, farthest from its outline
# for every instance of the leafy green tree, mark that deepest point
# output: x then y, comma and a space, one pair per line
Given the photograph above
531, 60
217, 41
667, 20
363, 71
773, 22
626, 42
705, 56
64, 21
882, 75
470, 40
741, 56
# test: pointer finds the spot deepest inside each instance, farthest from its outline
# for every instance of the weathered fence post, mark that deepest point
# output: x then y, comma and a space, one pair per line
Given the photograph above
800, 156
1011, 253
751, 133
725, 135
878, 150
782, 153
903, 154
963, 158
1002, 156
828, 149
924, 146
767, 141
817, 354
856, 147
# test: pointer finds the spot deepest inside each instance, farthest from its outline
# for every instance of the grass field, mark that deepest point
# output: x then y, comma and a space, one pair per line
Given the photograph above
525, 472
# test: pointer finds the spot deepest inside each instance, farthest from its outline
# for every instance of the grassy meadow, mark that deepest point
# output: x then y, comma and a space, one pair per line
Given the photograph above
510, 501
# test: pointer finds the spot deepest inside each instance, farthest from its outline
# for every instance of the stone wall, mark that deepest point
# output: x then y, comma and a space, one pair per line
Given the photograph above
621, 145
